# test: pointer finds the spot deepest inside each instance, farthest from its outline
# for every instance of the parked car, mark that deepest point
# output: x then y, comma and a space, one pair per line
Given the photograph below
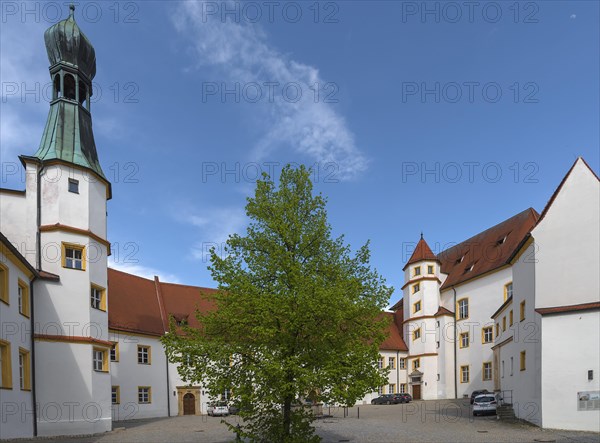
479, 392
217, 408
484, 404
407, 398
234, 409
388, 399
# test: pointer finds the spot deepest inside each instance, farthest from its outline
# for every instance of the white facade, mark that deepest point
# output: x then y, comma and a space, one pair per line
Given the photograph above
15, 348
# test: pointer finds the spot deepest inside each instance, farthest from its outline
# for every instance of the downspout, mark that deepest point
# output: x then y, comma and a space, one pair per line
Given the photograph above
39, 215
33, 390
398, 371
455, 355
168, 386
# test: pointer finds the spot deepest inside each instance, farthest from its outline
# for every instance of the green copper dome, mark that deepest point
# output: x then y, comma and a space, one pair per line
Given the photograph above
68, 133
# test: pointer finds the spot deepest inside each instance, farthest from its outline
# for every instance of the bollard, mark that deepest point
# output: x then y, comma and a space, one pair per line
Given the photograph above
358, 412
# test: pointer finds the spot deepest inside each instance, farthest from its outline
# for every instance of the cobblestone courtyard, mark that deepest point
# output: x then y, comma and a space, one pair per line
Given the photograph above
421, 421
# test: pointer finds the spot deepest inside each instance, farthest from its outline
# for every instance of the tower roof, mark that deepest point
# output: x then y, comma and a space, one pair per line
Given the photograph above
66, 43
421, 252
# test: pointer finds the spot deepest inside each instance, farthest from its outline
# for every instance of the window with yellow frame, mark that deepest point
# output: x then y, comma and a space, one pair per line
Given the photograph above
415, 288
4, 283
510, 318
464, 340
417, 334
73, 256
487, 335
508, 290
464, 374
5, 365
24, 370
462, 308
416, 306
23, 298
416, 364
98, 297
522, 361
486, 371
522, 311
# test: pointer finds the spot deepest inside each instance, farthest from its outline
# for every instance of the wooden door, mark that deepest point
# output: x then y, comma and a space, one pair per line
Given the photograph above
189, 404
416, 392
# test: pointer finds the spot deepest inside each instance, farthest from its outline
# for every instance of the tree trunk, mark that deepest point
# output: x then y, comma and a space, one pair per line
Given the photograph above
287, 417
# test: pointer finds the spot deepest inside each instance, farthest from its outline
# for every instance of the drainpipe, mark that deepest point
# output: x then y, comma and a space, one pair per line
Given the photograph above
33, 390
398, 371
455, 356
39, 215
168, 385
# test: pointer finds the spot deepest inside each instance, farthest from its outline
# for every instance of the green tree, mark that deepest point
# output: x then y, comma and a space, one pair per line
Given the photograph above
297, 315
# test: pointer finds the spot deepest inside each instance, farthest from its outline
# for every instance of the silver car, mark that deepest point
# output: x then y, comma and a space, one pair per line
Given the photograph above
218, 408
484, 404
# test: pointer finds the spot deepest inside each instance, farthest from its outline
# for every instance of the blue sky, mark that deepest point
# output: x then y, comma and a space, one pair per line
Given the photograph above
445, 124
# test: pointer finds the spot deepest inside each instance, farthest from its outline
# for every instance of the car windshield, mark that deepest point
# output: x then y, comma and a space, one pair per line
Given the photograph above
484, 399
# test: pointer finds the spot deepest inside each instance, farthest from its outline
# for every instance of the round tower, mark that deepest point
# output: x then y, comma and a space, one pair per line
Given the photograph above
421, 306
73, 386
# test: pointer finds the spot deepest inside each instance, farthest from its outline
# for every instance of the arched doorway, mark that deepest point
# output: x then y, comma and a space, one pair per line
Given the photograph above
189, 404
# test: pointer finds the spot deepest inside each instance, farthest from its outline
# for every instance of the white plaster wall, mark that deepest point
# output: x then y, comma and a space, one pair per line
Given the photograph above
15, 404
567, 240
571, 340
486, 295
72, 397
128, 374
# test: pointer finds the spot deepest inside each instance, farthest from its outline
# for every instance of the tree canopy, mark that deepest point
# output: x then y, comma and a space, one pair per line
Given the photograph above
297, 315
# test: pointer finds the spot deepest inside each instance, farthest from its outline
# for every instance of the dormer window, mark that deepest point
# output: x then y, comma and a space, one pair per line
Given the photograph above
501, 240
74, 186
469, 268
460, 260
417, 271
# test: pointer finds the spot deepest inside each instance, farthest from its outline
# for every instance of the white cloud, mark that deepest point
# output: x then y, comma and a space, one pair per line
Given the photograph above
143, 271
242, 53
214, 227
573, 16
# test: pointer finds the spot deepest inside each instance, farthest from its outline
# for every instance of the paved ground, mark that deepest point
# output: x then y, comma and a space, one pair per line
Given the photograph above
421, 421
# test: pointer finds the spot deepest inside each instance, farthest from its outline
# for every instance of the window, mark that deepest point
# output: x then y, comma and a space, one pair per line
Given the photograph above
391, 388
417, 307
417, 334
100, 360
73, 256
24, 370
403, 388
74, 186
437, 324
380, 390
497, 329
23, 297
416, 364
464, 340
510, 318
380, 363
522, 365
143, 355
114, 352
511, 366
464, 374
504, 323
98, 298
115, 395
416, 287
508, 290
438, 377
469, 268
392, 362
502, 368
402, 363
5, 365
144, 394
417, 270
487, 370
3, 283
463, 308
430, 269
522, 311
437, 344
487, 335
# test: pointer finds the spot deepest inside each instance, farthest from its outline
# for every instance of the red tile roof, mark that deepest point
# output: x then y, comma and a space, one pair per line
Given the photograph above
137, 304
394, 341
422, 252
486, 251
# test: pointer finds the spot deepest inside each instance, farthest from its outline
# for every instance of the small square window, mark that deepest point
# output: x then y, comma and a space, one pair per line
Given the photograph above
97, 298
74, 186
144, 355
416, 287
144, 394
116, 395
418, 270
430, 269
417, 307
99, 360
73, 256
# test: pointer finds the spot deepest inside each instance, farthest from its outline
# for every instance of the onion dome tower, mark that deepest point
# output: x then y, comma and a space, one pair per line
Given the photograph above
68, 134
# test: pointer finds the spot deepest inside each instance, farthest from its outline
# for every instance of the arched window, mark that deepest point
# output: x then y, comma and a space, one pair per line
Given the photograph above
69, 86
56, 93
82, 93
